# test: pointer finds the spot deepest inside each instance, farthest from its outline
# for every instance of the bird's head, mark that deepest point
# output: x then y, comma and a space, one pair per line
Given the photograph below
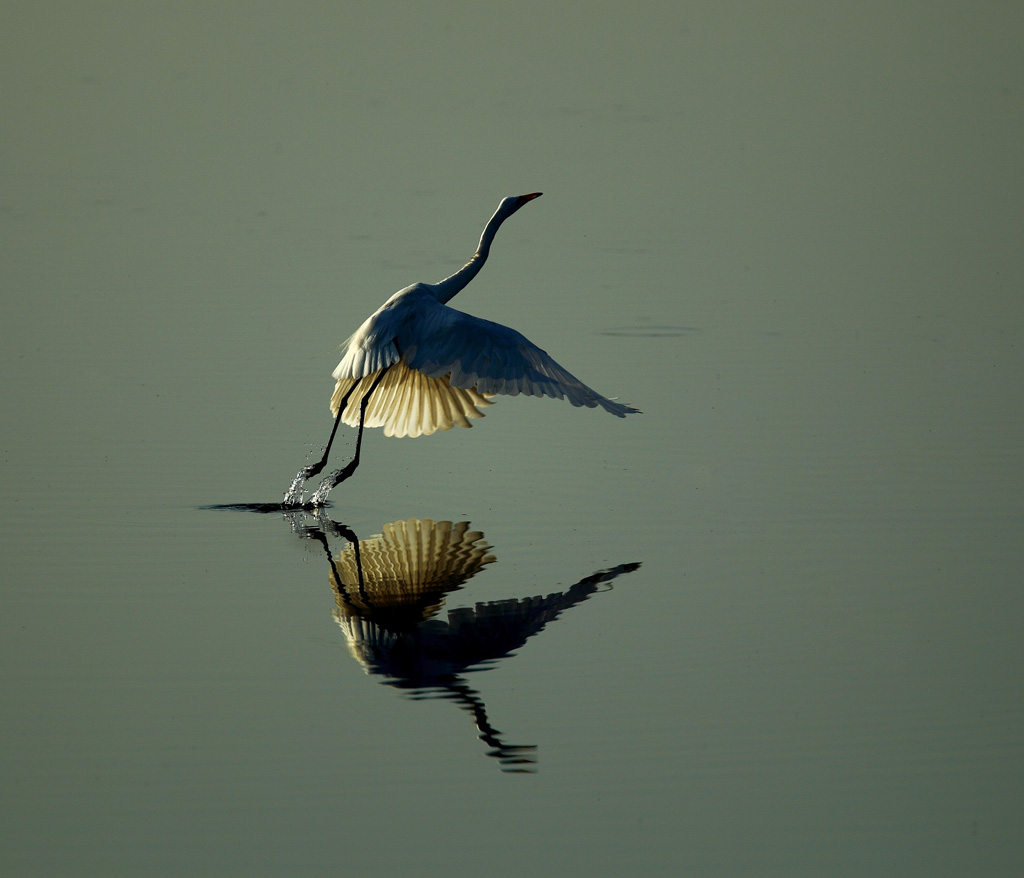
511, 204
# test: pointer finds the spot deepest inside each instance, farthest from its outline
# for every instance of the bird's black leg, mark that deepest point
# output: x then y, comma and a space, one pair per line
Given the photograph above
309, 471
293, 496
338, 476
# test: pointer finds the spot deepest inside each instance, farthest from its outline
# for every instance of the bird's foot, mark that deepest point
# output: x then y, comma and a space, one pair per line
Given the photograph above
319, 496
330, 482
295, 496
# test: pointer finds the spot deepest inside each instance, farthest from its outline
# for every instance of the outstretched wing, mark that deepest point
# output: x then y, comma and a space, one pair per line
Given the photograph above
442, 367
407, 402
494, 359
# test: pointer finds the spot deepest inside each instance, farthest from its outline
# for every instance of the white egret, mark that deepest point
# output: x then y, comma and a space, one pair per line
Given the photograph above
417, 366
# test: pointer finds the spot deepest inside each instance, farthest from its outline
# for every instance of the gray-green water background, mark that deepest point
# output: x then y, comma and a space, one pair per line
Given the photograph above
790, 233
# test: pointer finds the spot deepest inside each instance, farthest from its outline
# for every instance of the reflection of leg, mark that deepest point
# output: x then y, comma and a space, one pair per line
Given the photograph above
341, 530
338, 476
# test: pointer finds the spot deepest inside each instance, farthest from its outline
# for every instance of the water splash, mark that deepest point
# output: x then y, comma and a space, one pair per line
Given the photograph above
321, 493
296, 494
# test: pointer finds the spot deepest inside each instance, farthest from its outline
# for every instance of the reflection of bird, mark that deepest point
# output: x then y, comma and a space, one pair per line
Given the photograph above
417, 366
428, 659
389, 591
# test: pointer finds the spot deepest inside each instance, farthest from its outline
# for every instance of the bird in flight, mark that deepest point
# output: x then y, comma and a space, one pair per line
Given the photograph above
417, 366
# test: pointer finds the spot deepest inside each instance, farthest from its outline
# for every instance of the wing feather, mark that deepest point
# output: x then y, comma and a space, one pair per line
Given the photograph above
444, 366
493, 359
408, 403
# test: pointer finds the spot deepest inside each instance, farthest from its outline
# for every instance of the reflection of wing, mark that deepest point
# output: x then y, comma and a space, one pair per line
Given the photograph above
389, 588
472, 638
427, 659
450, 362
412, 564
490, 631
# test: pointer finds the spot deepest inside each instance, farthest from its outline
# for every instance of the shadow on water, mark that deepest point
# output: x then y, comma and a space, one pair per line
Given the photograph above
389, 590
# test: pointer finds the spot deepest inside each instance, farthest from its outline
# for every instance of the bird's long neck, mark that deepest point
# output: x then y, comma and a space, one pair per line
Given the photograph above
446, 289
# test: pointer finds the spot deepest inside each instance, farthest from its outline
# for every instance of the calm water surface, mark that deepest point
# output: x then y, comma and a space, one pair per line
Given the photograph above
770, 626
